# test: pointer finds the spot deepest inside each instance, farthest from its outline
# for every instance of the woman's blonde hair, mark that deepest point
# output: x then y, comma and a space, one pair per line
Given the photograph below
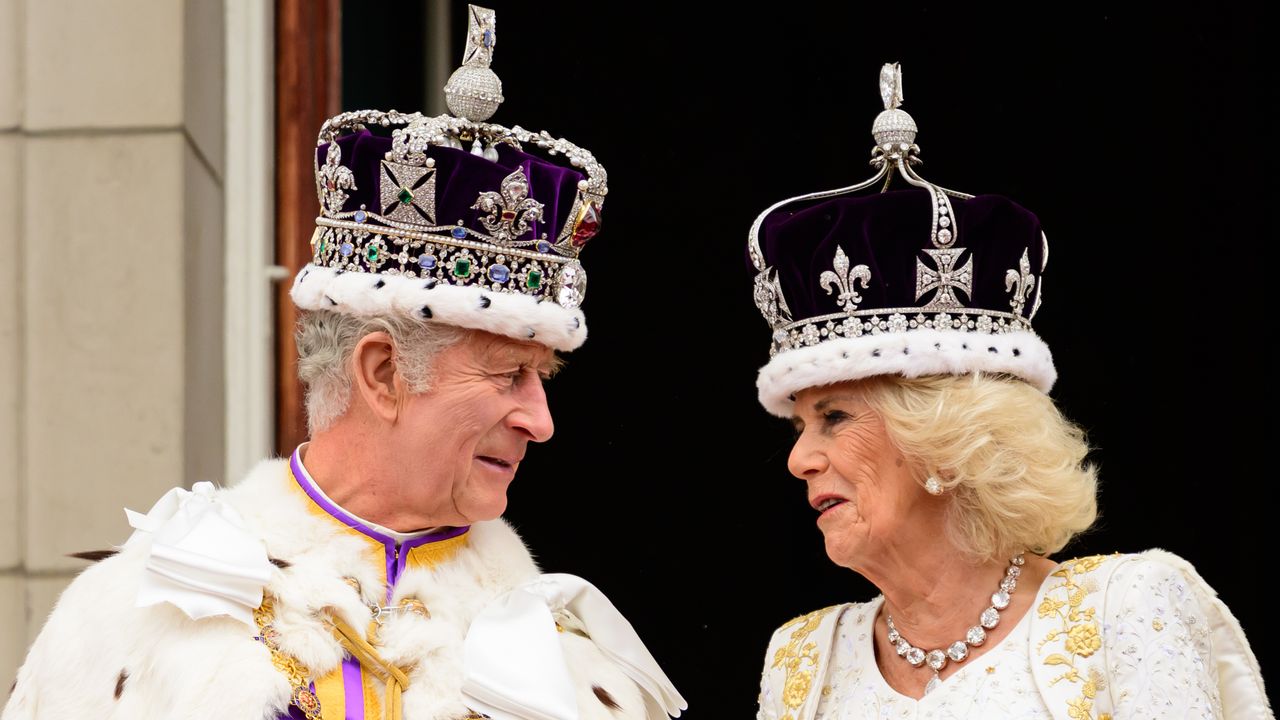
1013, 464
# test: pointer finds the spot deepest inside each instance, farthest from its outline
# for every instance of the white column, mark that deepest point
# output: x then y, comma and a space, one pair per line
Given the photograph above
113, 150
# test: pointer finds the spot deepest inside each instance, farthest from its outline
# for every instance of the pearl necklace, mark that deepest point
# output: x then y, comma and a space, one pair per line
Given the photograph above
976, 635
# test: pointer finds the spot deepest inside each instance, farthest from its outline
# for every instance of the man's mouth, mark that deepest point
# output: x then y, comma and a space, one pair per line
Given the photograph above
497, 462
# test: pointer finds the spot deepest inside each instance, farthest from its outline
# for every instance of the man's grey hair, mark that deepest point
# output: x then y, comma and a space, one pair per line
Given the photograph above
326, 341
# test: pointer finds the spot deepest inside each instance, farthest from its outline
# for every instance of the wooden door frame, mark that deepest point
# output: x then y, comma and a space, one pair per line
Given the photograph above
308, 91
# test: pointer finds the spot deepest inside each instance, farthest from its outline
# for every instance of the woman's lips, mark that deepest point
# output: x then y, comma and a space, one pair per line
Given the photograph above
823, 503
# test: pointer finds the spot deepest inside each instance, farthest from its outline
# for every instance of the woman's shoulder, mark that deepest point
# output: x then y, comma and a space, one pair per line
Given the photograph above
800, 635
797, 659
1123, 572
803, 625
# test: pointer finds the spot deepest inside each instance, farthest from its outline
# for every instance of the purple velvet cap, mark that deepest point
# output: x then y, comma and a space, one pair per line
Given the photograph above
888, 232
460, 177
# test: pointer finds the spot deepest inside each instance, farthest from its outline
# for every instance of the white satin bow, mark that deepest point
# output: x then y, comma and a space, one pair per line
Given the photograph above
514, 665
202, 559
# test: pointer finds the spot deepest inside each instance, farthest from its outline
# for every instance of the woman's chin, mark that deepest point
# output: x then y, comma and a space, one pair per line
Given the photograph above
841, 548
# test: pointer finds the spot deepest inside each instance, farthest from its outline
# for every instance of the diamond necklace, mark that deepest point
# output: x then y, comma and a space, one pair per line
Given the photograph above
976, 635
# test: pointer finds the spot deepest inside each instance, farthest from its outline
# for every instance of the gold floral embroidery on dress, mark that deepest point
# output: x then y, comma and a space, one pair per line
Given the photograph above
799, 658
1079, 634
297, 673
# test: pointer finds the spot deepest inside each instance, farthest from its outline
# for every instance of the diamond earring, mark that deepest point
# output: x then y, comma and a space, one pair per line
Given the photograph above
932, 486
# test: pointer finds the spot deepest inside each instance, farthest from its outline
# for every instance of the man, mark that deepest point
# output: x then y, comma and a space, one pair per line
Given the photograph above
368, 576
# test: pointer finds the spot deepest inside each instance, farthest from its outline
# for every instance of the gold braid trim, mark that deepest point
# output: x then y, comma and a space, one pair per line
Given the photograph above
360, 649
298, 674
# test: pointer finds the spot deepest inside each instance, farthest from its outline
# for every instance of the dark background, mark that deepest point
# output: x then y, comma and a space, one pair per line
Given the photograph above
1135, 136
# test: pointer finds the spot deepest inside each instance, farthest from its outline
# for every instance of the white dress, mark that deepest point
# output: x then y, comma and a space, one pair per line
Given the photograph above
1108, 637
999, 684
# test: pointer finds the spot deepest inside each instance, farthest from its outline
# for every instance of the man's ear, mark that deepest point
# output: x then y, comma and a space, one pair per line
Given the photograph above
376, 377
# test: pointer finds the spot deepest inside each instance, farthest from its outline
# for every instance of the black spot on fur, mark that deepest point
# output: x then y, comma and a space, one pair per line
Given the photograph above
875, 353
339, 272
425, 312
992, 350
1016, 352
605, 698
93, 555
431, 282
485, 301
124, 675
844, 355
964, 346
531, 333
937, 346
576, 324
282, 564
331, 300
14, 686
305, 273
381, 284
906, 351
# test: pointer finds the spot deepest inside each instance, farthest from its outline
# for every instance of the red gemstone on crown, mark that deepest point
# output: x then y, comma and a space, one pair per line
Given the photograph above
508, 215
587, 226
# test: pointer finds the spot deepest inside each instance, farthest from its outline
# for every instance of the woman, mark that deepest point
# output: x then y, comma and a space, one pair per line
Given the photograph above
942, 472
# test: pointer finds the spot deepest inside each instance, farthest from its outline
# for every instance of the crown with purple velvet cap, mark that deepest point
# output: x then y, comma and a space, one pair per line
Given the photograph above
413, 222
913, 282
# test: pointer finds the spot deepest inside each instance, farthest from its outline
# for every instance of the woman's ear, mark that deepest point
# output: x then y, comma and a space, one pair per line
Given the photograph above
376, 377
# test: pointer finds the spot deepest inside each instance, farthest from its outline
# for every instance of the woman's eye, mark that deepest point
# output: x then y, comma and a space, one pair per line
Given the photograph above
831, 417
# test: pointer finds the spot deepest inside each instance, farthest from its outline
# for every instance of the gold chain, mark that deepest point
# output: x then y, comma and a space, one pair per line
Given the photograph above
298, 674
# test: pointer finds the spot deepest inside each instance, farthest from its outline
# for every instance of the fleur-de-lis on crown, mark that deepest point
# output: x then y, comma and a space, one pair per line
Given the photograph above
334, 179
511, 210
1019, 281
845, 279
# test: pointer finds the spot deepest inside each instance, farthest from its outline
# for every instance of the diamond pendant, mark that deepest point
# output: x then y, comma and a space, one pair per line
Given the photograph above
933, 684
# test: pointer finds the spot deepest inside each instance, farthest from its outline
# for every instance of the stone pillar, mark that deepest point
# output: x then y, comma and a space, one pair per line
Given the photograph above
111, 276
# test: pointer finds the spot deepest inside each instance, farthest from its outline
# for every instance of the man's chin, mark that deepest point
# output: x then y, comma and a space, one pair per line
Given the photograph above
475, 512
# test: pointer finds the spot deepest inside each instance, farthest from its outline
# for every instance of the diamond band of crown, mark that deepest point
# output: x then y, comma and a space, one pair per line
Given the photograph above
811, 331
358, 248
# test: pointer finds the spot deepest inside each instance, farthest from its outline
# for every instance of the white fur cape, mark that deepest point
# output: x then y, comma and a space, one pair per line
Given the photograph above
99, 656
